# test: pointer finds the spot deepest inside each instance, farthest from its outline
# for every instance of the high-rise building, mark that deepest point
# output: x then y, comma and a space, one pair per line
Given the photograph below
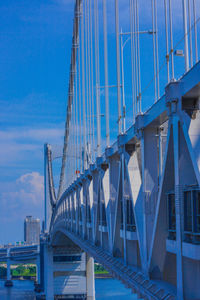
31, 230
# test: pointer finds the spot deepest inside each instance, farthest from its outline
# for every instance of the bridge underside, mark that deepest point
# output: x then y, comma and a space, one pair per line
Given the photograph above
131, 276
68, 272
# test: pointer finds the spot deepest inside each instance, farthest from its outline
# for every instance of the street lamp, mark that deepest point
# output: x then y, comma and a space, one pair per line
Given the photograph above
123, 44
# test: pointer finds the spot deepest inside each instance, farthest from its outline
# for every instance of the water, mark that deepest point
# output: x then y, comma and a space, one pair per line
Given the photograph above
106, 289
21, 290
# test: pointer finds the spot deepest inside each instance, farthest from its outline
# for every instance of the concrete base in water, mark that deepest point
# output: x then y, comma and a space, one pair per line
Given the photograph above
65, 297
8, 283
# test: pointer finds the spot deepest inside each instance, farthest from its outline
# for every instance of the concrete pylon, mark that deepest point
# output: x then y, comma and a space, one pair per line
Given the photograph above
38, 269
48, 272
90, 277
8, 270
8, 282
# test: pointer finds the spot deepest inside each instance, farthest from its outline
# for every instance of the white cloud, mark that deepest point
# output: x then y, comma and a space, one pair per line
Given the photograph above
32, 186
23, 196
23, 143
40, 134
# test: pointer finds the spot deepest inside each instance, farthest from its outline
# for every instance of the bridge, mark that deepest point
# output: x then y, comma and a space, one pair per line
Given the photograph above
129, 188
20, 254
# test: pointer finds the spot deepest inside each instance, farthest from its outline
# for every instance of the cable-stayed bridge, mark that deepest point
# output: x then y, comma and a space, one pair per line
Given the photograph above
129, 188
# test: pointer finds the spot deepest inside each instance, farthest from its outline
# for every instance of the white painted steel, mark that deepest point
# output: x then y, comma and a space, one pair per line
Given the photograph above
185, 30
106, 72
96, 35
118, 67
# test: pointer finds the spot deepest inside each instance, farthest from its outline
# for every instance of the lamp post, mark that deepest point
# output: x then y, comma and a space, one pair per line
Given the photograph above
123, 44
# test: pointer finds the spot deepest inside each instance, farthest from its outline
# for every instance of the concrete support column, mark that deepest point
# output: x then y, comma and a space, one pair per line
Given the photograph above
8, 282
8, 270
90, 277
48, 273
38, 269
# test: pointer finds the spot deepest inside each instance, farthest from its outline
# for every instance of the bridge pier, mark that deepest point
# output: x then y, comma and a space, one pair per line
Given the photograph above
38, 269
66, 271
90, 277
8, 270
48, 272
8, 280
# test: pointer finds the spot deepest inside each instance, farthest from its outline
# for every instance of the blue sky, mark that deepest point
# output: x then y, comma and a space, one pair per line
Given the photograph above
35, 39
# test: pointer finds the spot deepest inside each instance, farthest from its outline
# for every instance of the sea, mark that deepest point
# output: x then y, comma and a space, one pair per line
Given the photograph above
106, 289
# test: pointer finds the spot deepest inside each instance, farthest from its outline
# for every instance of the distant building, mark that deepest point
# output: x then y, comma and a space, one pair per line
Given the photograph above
31, 230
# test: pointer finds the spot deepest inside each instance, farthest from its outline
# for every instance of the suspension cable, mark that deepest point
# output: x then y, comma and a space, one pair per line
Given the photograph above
70, 93
154, 53
97, 77
195, 31
190, 34
156, 49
